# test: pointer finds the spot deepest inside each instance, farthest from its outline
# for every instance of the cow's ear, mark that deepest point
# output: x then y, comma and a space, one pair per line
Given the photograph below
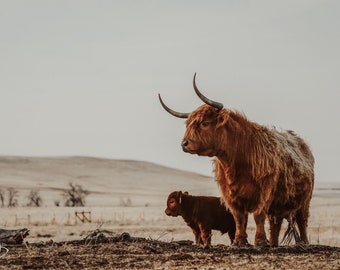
186, 193
222, 118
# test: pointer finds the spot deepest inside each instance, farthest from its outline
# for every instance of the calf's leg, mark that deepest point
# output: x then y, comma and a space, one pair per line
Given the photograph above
197, 234
205, 235
231, 233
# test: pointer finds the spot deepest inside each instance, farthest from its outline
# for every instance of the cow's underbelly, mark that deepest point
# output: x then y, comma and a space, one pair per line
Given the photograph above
283, 210
243, 196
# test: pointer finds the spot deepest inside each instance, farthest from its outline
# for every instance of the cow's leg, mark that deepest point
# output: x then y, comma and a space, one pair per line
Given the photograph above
305, 191
205, 235
260, 235
241, 220
302, 221
275, 227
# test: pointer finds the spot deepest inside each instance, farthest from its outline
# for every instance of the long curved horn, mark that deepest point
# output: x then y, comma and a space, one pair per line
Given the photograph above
172, 112
205, 99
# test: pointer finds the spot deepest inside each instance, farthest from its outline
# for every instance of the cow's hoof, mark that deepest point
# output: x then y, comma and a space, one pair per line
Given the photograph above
243, 243
262, 244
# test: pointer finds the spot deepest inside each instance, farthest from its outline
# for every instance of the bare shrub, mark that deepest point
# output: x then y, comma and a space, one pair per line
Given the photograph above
57, 203
2, 197
12, 197
125, 202
75, 195
34, 198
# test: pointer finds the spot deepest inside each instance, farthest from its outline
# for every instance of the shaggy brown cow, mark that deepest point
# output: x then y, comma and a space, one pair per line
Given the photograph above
202, 214
259, 170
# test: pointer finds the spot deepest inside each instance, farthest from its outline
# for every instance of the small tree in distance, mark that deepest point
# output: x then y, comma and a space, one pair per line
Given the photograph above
75, 195
2, 197
12, 197
34, 198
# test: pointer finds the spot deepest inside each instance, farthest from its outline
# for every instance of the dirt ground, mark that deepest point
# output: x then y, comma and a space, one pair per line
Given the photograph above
123, 251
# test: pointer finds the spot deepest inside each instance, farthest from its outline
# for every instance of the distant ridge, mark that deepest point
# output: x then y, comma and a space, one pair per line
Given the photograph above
108, 177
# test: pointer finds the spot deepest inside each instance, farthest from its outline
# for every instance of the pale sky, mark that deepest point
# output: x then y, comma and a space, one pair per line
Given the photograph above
82, 77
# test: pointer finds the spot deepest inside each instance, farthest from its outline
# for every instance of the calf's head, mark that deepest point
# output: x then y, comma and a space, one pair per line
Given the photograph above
204, 126
174, 201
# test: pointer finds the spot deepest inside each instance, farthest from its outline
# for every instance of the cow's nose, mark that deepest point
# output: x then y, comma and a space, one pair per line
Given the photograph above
184, 144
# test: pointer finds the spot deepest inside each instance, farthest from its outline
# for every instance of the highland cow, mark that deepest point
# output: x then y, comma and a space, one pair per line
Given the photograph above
259, 170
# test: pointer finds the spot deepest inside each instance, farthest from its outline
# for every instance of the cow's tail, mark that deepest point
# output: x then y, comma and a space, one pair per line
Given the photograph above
291, 232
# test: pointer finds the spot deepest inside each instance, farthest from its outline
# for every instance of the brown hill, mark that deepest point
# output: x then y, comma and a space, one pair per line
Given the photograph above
144, 182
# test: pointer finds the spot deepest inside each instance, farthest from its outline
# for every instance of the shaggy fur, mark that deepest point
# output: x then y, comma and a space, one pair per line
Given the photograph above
259, 170
202, 214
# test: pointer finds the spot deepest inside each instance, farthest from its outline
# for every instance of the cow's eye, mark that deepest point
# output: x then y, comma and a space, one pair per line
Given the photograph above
205, 124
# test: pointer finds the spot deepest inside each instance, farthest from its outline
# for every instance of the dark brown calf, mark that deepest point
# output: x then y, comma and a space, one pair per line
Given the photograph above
202, 214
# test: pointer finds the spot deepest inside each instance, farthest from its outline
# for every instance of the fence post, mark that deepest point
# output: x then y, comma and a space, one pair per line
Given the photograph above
82, 216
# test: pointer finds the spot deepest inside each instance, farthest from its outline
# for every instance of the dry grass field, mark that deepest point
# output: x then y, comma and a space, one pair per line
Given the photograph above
128, 227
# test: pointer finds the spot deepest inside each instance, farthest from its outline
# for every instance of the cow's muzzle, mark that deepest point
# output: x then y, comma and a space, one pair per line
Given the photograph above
184, 145
167, 212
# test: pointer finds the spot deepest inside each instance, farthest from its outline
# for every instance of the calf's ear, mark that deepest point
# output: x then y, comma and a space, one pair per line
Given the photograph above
179, 197
186, 193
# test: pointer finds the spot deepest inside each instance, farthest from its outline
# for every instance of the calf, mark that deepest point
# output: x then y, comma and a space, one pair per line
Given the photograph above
202, 214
